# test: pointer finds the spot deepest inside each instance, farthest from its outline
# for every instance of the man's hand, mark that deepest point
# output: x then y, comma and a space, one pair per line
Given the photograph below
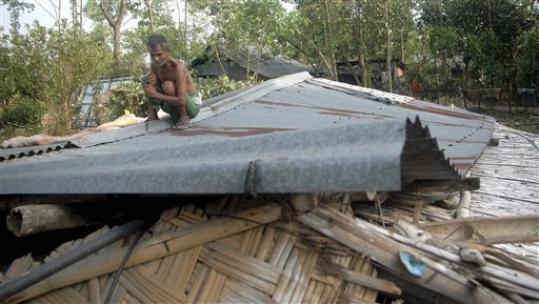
150, 91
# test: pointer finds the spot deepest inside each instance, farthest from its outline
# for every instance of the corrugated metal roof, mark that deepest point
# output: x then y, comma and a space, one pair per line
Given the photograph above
292, 134
86, 115
268, 66
13, 153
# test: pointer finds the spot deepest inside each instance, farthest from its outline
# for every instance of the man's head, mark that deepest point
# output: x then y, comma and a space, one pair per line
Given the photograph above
159, 49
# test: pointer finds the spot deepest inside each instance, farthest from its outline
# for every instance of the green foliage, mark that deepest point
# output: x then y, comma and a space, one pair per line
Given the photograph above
214, 87
23, 112
488, 35
126, 97
445, 44
49, 66
528, 58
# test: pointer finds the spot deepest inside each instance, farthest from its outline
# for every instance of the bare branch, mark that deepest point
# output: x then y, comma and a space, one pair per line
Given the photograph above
106, 14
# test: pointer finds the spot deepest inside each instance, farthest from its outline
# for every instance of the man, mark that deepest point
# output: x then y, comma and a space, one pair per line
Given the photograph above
169, 85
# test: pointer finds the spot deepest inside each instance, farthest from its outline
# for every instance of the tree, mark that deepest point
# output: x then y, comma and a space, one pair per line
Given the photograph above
388, 45
114, 14
488, 34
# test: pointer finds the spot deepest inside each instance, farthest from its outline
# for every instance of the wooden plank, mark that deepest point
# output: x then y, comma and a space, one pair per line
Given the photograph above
171, 243
386, 251
486, 231
363, 279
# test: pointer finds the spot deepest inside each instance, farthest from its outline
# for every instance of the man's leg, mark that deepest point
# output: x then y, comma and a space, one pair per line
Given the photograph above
169, 88
151, 112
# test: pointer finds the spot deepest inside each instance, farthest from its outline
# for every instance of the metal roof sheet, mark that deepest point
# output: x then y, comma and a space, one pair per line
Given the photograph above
268, 66
86, 115
291, 134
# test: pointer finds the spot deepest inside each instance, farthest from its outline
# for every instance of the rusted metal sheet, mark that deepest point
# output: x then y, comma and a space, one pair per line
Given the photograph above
347, 139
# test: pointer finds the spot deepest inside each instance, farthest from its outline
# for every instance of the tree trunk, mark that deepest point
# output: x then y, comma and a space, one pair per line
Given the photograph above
186, 44
332, 69
180, 33
116, 49
351, 68
388, 46
402, 44
116, 25
80, 16
361, 55
150, 15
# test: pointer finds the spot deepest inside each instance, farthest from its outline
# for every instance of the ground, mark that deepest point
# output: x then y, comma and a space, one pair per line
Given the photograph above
520, 118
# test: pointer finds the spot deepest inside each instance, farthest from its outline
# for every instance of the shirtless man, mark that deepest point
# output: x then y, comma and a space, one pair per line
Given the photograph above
169, 85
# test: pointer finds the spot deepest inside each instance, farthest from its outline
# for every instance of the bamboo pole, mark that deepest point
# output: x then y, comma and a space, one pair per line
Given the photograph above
437, 277
158, 247
31, 219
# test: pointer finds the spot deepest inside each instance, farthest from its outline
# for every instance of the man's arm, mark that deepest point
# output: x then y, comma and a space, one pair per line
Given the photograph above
181, 83
150, 88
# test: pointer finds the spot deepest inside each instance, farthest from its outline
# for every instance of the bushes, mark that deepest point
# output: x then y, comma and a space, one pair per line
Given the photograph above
23, 112
126, 97
214, 87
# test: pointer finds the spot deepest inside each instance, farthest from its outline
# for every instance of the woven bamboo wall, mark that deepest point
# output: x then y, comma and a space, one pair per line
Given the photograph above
279, 262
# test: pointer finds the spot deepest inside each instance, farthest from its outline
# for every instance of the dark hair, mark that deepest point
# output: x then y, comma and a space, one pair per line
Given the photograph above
155, 40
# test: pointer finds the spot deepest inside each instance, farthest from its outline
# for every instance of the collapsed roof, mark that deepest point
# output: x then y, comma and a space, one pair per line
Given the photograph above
290, 135
293, 134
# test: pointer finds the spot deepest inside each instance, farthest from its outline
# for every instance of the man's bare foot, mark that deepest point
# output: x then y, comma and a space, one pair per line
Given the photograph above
182, 124
152, 113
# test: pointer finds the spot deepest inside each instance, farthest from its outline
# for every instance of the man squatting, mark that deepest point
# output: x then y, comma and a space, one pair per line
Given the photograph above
169, 86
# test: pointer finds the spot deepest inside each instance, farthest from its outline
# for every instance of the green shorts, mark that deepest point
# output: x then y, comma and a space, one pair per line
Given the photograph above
194, 101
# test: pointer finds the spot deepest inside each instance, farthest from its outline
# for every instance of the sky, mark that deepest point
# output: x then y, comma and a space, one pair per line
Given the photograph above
45, 12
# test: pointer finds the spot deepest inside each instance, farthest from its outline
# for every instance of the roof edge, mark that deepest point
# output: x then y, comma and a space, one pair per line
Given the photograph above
222, 104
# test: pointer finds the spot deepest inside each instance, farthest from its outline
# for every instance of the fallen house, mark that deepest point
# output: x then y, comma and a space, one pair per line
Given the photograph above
320, 192
350, 72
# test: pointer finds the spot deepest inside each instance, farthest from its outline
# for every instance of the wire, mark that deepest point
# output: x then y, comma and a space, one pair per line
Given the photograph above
124, 262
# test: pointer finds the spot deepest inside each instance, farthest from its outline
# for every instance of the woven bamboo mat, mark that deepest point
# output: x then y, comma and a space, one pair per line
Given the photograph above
239, 254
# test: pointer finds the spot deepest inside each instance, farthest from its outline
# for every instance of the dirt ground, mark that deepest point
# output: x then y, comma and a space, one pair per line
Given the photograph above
520, 118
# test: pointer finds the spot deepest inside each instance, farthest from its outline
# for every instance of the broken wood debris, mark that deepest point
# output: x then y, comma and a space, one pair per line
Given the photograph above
300, 248
32, 219
487, 231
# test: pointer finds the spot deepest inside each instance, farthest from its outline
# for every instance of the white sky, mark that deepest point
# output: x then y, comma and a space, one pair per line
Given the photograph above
44, 11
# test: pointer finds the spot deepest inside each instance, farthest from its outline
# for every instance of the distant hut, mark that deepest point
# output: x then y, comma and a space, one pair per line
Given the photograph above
350, 72
239, 65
